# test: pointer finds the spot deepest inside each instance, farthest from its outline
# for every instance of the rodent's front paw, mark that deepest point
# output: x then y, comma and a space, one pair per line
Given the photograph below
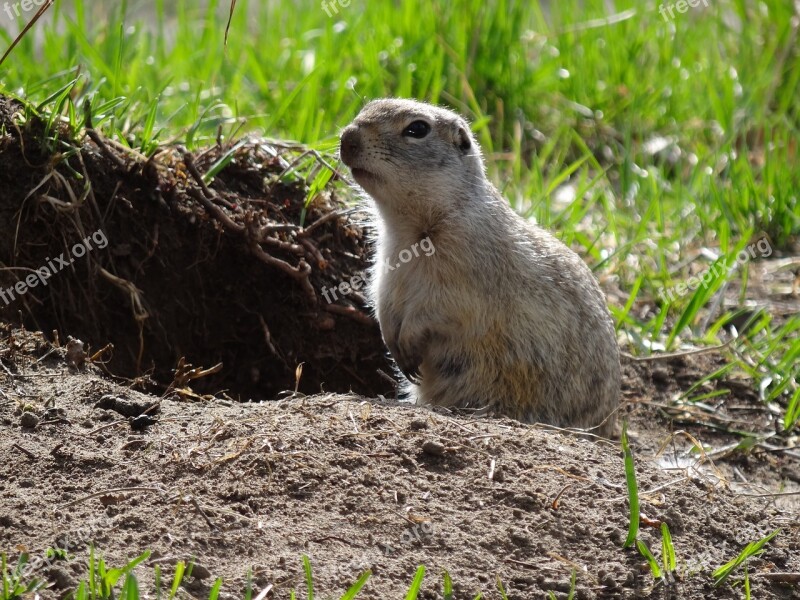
408, 360
407, 351
412, 374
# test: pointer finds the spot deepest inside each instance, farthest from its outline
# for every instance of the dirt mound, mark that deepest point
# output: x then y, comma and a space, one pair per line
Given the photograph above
353, 484
163, 265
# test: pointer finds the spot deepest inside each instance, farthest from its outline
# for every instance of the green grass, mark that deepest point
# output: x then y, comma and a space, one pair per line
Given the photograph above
750, 550
104, 583
632, 486
570, 595
663, 571
15, 581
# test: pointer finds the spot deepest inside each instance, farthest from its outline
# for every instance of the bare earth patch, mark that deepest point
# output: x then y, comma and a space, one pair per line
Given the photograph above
357, 483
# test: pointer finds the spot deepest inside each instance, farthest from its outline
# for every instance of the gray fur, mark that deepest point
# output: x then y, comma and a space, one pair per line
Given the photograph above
501, 316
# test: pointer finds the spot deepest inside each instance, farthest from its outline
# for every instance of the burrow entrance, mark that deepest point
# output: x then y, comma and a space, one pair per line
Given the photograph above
213, 257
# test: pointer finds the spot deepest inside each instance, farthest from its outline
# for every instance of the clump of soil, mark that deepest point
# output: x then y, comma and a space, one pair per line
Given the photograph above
143, 254
353, 484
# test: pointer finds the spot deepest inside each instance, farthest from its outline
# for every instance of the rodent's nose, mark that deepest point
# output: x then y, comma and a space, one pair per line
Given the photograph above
350, 145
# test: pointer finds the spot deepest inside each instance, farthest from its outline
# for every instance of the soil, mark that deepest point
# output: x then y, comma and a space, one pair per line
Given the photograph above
356, 483
132, 449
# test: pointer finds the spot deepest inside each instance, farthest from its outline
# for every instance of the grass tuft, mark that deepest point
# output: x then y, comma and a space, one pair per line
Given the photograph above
752, 549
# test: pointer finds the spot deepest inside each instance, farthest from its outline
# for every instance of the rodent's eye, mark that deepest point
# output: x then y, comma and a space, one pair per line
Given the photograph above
417, 129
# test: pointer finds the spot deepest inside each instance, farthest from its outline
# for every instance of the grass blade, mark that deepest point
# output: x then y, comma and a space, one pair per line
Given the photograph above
180, 568
92, 582
222, 162
309, 577
667, 549
501, 589
792, 416
158, 581
752, 549
447, 587
6, 581
746, 584
413, 591
356, 587
130, 589
214, 593
633, 490
651, 560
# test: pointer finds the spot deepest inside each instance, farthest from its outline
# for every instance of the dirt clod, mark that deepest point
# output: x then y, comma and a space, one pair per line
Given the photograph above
76, 355
433, 448
61, 578
28, 420
125, 407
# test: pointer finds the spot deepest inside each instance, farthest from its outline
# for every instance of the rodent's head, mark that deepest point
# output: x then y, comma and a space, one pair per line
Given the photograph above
404, 151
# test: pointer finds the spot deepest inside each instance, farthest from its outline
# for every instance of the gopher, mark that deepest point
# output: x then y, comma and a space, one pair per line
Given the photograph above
480, 308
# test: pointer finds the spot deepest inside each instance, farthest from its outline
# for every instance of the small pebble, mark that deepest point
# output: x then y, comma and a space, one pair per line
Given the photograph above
142, 422
76, 356
674, 520
519, 537
433, 448
608, 581
200, 572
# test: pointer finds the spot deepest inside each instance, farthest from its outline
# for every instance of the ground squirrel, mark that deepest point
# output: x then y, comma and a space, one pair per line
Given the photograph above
501, 315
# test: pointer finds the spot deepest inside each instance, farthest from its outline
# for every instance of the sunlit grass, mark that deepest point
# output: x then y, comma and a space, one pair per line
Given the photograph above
749, 551
102, 582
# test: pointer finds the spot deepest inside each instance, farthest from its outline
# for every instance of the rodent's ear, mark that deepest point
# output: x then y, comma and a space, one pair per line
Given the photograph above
463, 141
